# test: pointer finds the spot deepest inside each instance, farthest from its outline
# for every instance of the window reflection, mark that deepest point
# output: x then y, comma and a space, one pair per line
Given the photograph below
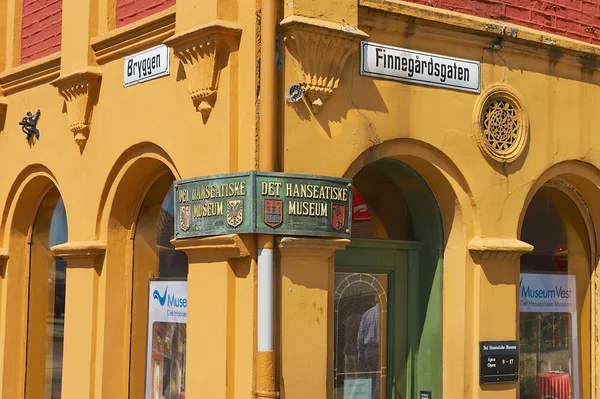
360, 335
551, 356
171, 263
56, 296
47, 294
155, 256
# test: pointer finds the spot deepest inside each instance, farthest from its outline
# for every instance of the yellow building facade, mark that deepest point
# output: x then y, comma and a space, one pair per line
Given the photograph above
462, 193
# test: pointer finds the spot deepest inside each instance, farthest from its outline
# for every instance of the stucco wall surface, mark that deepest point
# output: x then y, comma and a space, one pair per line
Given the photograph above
137, 133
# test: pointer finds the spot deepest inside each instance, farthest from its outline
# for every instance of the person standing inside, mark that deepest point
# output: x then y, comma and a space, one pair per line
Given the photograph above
368, 345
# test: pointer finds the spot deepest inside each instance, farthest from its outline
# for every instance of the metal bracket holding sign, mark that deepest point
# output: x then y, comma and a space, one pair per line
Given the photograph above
498, 362
146, 65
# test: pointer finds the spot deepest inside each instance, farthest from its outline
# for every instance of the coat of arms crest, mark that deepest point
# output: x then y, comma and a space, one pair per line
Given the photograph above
272, 211
184, 217
338, 216
235, 213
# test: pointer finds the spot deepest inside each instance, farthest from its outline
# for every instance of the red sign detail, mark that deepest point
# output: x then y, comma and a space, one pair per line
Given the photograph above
272, 211
338, 216
360, 212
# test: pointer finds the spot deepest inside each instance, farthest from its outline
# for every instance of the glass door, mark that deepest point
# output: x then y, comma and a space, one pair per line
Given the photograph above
371, 320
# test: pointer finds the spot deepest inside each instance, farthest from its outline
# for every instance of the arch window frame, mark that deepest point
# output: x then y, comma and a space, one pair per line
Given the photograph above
584, 211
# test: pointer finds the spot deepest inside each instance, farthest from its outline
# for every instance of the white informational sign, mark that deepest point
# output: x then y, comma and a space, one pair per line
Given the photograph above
553, 293
548, 293
146, 65
357, 388
165, 351
405, 65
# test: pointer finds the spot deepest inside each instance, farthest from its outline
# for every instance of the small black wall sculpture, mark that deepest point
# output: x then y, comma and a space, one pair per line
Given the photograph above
29, 125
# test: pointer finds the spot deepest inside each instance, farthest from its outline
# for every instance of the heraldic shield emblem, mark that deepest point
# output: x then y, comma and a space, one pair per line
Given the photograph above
235, 212
338, 215
184, 218
272, 211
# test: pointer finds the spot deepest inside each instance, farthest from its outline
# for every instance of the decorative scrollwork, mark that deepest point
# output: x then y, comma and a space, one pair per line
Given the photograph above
29, 125
203, 52
308, 40
501, 124
79, 90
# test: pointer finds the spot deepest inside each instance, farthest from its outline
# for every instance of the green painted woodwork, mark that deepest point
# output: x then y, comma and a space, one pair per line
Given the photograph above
396, 259
415, 321
427, 222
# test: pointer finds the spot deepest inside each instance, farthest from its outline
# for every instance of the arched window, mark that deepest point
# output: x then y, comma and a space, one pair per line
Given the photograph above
555, 310
155, 257
46, 310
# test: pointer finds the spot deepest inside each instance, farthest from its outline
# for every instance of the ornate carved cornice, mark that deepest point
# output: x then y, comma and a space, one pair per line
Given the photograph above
79, 250
210, 249
498, 248
322, 49
204, 51
79, 89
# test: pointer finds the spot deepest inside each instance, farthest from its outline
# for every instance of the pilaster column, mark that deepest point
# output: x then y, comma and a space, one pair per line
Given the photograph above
211, 313
495, 301
79, 80
190, 15
307, 290
84, 263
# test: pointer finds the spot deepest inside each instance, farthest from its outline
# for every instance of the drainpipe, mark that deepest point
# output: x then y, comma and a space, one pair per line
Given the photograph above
265, 373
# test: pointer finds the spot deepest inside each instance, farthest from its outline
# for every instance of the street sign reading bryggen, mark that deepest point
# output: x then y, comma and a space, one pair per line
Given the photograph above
263, 202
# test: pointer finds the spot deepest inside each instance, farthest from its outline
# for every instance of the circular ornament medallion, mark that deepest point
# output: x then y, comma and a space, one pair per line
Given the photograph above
501, 124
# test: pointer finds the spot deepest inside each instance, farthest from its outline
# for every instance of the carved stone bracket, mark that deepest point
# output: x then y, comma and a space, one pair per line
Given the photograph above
79, 89
204, 52
322, 49
310, 247
211, 249
498, 248
79, 250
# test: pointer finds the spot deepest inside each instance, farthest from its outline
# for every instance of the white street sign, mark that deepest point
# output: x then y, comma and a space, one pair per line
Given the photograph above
405, 65
146, 65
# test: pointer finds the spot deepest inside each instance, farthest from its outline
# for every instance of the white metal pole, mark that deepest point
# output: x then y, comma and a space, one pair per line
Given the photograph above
265, 299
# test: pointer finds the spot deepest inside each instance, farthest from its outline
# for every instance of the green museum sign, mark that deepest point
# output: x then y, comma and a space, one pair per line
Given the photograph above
265, 203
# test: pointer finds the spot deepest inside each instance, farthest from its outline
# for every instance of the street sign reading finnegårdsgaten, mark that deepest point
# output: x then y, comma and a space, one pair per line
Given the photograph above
263, 202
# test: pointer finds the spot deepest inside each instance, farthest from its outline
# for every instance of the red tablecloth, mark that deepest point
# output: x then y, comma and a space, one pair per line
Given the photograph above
553, 385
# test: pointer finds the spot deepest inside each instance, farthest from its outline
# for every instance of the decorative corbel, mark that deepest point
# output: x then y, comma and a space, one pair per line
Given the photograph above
79, 89
498, 248
204, 52
322, 49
